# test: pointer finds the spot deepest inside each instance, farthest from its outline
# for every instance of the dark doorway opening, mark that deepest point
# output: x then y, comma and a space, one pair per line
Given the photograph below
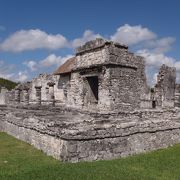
93, 89
153, 104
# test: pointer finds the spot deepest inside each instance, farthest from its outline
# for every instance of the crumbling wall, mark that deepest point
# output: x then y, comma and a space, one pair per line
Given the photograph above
165, 87
41, 81
3, 96
177, 96
121, 76
75, 97
62, 88
74, 136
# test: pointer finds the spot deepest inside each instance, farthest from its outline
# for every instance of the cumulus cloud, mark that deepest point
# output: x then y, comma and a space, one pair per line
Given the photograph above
22, 76
87, 36
32, 65
33, 39
160, 45
9, 71
6, 70
132, 35
51, 60
156, 59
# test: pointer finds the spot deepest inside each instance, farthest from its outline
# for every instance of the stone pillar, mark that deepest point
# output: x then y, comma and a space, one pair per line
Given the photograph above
51, 93
17, 95
26, 95
38, 94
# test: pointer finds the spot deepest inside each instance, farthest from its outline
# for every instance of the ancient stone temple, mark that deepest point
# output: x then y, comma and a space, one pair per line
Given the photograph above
97, 105
106, 77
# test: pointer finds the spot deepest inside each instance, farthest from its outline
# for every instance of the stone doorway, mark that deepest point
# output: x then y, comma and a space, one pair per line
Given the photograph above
92, 89
153, 104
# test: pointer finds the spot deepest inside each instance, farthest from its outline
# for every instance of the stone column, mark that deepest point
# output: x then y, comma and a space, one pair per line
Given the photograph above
26, 95
38, 94
51, 93
17, 95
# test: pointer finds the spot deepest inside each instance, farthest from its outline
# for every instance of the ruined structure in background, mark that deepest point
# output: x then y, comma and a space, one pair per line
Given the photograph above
3, 97
97, 105
103, 76
177, 96
165, 87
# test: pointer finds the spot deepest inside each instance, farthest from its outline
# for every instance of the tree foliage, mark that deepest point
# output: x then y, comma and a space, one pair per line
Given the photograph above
7, 84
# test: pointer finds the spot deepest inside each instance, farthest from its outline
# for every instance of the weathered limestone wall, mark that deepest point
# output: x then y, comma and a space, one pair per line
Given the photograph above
40, 81
165, 87
62, 88
73, 136
49, 144
124, 91
121, 77
177, 96
3, 98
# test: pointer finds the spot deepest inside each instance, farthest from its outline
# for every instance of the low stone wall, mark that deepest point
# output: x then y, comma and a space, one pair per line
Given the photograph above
48, 144
70, 135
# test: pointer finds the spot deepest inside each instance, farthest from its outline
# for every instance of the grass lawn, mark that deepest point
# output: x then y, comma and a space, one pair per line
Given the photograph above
21, 161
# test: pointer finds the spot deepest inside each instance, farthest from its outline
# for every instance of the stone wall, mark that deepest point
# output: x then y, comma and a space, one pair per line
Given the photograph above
177, 96
121, 77
3, 98
71, 135
62, 88
42, 81
165, 87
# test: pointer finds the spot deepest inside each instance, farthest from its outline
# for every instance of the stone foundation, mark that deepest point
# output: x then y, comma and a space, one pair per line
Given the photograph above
71, 135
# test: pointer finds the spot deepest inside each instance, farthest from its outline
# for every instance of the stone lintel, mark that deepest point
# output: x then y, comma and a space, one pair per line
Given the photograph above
106, 65
50, 83
38, 87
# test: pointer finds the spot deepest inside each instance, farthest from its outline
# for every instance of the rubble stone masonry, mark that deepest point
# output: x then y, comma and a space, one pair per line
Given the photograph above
99, 108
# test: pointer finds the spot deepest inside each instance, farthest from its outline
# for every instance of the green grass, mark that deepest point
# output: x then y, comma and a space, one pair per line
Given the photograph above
21, 161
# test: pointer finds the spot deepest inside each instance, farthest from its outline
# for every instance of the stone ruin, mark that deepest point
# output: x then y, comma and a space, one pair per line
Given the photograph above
97, 105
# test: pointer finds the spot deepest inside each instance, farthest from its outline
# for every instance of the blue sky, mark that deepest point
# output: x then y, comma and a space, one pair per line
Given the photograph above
37, 36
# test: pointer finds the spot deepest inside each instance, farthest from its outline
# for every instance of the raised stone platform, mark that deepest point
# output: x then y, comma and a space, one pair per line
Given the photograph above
72, 135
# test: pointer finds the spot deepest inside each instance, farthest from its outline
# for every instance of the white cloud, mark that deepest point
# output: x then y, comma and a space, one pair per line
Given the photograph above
9, 71
33, 39
32, 65
6, 70
160, 45
156, 59
51, 60
22, 76
132, 35
87, 36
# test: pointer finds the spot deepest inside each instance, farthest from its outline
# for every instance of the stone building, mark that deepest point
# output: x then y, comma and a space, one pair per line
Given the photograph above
63, 74
105, 76
102, 76
97, 105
